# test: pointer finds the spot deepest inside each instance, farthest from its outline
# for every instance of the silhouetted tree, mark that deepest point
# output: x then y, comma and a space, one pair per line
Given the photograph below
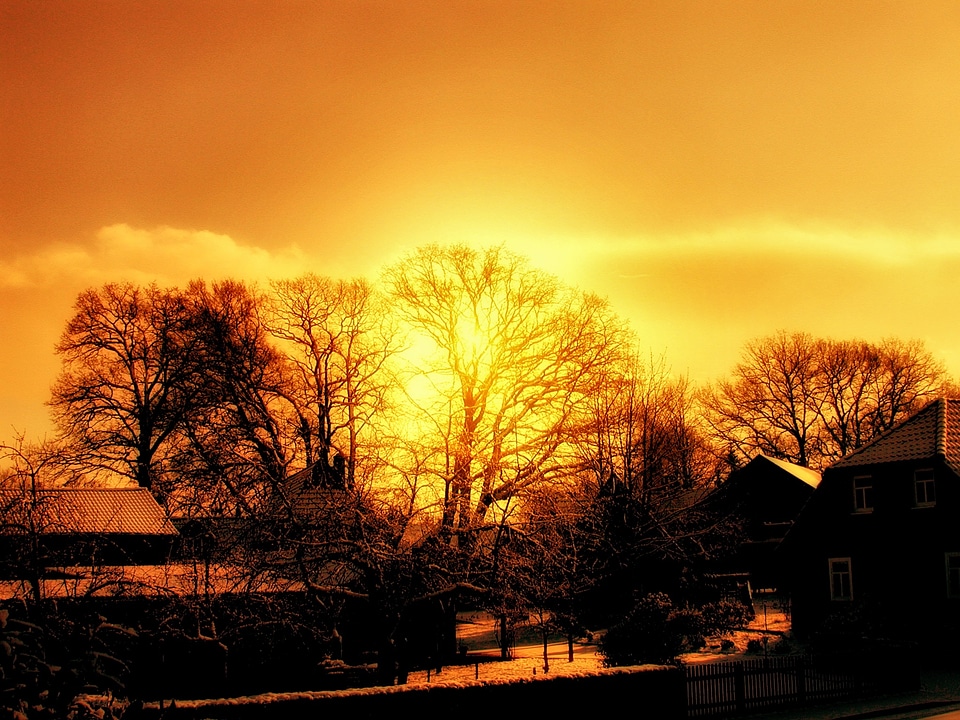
512, 354
129, 378
27, 469
339, 339
545, 565
810, 401
640, 433
240, 436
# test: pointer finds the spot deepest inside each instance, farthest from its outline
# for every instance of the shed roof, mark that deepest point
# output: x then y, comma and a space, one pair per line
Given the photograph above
932, 432
91, 511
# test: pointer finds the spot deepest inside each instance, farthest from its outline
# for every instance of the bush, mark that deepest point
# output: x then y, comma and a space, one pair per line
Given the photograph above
656, 632
646, 635
782, 647
688, 623
724, 616
44, 669
849, 627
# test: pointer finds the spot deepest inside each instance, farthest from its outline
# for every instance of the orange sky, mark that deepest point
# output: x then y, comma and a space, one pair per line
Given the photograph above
720, 170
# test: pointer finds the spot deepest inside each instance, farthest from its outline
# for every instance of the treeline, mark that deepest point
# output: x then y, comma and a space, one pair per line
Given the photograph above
462, 381
468, 376
811, 401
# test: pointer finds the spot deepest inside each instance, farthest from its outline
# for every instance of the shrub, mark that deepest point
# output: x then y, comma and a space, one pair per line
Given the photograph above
646, 635
782, 647
724, 615
688, 623
44, 671
656, 632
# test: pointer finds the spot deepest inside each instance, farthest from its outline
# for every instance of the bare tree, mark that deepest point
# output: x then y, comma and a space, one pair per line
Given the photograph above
771, 405
128, 378
545, 567
641, 435
811, 401
339, 341
28, 469
514, 355
647, 467
240, 437
909, 378
849, 377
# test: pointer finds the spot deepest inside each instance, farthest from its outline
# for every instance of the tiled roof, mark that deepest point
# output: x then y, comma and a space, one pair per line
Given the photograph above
308, 497
933, 431
91, 511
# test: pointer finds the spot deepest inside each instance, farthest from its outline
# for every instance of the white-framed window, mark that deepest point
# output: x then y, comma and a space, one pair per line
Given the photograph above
863, 494
924, 488
952, 562
841, 579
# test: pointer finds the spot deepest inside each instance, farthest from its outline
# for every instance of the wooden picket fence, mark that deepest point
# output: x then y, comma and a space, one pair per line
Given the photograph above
736, 688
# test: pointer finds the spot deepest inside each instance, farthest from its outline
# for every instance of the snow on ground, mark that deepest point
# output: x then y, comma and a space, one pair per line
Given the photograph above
477, 632
527, 662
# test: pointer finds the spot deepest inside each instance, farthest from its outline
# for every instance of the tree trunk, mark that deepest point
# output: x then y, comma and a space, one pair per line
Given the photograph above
546, 657
504, 638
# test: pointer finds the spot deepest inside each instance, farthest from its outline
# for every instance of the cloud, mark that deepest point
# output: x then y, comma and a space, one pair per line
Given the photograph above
37, 290
166, 255
771, 240
701, 295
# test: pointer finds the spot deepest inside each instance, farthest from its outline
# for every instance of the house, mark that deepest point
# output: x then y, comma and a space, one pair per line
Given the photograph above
765, 496
73, 526
315, 493
198, 600
308, 502
106, 553
876, 550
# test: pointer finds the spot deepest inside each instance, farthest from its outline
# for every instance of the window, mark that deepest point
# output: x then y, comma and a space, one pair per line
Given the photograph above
841, 587
953, 574
924, 488
863, 494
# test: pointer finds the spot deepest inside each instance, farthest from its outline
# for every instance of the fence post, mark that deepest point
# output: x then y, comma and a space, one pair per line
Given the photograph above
740, 688
801, 682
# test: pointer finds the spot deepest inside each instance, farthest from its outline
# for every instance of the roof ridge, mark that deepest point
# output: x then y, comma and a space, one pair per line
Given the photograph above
95, 489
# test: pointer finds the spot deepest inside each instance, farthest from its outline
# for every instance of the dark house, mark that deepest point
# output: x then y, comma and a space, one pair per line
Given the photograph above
66, 527
764, 497
310, 499
876, 551
316, 493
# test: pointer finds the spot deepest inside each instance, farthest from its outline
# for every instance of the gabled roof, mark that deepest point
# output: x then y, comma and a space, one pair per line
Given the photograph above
310, 497
804, 474
932, 432
90, 511
767, 490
